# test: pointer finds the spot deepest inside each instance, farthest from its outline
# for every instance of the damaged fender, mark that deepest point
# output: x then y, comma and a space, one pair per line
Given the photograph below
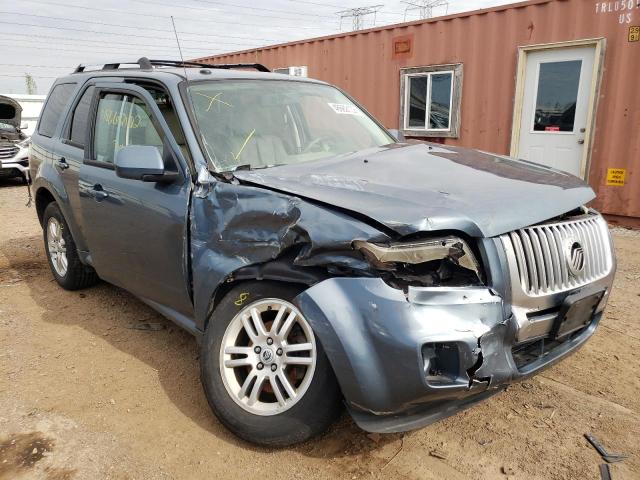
235, 226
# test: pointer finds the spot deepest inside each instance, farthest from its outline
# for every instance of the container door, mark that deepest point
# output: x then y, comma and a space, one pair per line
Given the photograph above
557, 95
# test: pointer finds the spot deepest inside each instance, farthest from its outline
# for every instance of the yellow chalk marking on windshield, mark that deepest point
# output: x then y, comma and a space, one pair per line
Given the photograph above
213, 99
236, 157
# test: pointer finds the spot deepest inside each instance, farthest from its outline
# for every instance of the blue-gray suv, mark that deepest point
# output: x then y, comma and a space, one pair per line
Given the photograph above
317, 259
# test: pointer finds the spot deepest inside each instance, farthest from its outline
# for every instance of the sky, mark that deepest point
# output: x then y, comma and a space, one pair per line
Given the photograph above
49, 38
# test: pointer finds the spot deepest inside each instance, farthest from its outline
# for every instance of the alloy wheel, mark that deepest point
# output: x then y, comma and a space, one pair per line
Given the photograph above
268, 357
57, 246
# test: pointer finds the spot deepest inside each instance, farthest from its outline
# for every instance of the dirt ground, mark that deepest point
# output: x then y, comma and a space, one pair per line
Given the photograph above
83, 395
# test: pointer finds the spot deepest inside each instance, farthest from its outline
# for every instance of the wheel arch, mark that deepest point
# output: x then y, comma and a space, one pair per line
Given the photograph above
47, 192
43, 197
232, 283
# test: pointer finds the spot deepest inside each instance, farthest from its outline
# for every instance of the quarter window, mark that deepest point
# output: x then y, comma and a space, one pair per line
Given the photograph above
54, 108
122, 120
430, 100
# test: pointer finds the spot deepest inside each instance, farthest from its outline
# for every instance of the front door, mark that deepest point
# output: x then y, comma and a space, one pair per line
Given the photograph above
557, 96
135, 230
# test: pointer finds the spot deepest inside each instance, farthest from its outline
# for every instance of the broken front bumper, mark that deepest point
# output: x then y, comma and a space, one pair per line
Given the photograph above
406, 361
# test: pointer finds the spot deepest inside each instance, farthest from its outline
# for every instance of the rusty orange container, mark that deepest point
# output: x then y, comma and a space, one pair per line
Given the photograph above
493, 46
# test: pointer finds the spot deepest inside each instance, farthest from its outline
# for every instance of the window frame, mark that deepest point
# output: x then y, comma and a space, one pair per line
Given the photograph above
171, 149
406, 74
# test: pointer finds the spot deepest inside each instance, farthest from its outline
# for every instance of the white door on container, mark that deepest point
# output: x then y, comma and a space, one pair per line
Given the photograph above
557, 92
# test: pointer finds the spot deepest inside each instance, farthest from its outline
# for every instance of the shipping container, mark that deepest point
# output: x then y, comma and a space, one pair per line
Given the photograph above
550, 81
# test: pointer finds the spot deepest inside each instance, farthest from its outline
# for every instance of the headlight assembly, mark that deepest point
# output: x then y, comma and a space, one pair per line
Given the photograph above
428, 262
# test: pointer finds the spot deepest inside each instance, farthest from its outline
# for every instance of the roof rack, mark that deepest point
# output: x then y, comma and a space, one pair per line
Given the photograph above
145, 64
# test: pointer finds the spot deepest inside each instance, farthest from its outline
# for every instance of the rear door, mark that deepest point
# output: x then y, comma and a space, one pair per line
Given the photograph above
136, 231
69, 155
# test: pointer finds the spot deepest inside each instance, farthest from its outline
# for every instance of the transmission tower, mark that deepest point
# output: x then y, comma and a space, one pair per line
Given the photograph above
358, 15
425, 7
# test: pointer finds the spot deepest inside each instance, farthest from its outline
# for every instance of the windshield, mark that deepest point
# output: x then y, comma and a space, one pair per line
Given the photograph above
259, 123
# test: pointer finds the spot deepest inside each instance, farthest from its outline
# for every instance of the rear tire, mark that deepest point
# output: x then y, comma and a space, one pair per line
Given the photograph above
62, 254
276, 418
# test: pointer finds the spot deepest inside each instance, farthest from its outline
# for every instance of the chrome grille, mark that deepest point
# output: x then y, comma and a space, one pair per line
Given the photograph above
8, 151
543, 254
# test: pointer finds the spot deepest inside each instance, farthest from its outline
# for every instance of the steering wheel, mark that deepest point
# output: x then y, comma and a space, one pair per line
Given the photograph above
316, 141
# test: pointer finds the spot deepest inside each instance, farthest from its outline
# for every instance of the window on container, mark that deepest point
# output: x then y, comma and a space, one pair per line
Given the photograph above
430, 102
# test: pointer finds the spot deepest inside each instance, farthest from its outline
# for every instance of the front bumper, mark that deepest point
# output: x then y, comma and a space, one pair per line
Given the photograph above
404, 361
17, 165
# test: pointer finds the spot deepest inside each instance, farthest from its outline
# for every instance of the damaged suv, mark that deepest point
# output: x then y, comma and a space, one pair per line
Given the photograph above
317, 260
14, 144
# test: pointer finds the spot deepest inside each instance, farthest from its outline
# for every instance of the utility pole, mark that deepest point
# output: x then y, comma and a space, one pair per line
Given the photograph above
358, 15
425, 7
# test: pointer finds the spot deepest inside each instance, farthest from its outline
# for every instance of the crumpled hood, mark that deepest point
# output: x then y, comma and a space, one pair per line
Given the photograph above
411, 188
10, 111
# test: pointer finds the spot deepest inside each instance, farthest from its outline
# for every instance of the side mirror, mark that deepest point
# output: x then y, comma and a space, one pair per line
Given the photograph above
398, 135
142, 162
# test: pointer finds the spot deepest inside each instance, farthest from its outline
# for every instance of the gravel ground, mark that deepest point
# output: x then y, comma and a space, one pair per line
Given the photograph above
85, 396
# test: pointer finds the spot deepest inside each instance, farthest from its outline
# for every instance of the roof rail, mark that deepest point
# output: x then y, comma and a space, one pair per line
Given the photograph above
145, 64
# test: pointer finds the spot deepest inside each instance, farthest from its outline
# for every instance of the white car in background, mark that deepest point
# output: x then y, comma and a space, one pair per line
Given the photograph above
14, 144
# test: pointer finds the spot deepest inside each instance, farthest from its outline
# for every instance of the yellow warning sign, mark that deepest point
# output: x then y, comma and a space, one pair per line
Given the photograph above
634, 34
615, 177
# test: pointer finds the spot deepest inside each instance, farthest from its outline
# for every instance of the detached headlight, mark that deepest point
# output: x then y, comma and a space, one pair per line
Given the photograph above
429, 262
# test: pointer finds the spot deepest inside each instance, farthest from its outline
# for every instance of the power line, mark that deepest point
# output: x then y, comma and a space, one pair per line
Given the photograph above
289, 12
330, 5
205, 44
163, 17
149, 15
22, 76
202, 8
80, 49
114, 52
192, 7
107, 24
103, 24
32, 66
106, 33
101, 42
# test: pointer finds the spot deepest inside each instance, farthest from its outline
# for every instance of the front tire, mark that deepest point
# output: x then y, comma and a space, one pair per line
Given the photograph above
62, 254
265, 374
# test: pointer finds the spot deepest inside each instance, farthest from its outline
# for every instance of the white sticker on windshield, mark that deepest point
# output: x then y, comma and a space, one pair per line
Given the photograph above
345, 109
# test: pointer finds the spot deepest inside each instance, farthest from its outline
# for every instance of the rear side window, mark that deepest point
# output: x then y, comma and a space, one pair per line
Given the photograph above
80, 119
53, 110
122, 120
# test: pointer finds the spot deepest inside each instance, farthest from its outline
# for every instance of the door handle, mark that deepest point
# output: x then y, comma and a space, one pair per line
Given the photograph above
98, 193
62, 163
581, 141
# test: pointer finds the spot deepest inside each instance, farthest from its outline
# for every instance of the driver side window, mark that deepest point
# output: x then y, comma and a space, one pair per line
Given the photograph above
122, 120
